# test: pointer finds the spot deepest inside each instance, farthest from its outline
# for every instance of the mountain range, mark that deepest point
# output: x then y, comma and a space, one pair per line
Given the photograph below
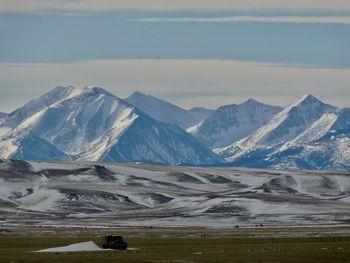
91, 124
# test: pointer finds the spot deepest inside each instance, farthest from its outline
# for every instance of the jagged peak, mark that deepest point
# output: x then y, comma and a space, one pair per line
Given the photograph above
97, 90
75, 91
140, 95
251, 102
307, 99
137, 93
62, 88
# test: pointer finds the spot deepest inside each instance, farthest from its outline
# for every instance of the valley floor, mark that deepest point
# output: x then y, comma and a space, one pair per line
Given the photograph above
298, 244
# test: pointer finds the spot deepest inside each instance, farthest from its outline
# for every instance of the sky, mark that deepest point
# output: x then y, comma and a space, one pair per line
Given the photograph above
190, 52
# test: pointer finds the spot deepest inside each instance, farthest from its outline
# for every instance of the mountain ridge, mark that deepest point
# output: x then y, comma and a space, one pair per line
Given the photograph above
90, 123
229, 123
284, 126
165, 111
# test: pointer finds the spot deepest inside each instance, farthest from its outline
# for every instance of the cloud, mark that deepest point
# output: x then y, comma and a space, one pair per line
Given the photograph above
224, 19
188, 83
169, 5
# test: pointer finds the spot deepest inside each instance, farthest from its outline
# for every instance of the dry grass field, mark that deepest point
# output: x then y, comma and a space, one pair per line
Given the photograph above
290, 245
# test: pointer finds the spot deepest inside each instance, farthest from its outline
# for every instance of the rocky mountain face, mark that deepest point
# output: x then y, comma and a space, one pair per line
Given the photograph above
325, 145
200, 113
231, 123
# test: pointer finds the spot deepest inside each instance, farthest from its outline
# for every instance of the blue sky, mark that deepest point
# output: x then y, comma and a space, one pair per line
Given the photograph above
270, 52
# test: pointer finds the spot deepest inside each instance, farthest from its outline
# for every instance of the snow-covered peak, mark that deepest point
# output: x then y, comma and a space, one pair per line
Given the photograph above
90, 123
292, 121
324, 145
307, 107
68, 120
306, 99
162, 110
230, 123
56, 95
97, 90
250, 102
284, 127
60, 93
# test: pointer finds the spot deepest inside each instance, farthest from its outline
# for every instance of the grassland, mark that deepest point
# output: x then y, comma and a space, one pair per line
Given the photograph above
290, 245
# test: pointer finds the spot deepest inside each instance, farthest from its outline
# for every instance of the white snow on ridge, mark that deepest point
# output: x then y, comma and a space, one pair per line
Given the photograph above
231, 123
314, 132
92, 124
285, 127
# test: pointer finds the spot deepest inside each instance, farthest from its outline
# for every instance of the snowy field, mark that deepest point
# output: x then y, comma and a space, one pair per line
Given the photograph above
112, 195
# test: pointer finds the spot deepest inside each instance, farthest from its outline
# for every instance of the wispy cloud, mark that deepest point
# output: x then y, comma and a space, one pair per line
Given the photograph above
186, 82
225, 19
169, 5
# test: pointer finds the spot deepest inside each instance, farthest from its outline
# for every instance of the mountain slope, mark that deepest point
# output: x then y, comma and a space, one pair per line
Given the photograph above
3, 115
164, 111
232, 122
92, 124
325, 145
200, 113
173, 145
285, 126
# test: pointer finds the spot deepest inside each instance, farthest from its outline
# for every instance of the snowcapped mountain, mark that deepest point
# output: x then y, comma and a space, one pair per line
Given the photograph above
92, 124
328, 124
233, 122
166, 112
285, 126
325, 145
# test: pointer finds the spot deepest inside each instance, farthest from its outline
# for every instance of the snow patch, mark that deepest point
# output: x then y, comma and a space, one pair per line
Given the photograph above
78, 247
